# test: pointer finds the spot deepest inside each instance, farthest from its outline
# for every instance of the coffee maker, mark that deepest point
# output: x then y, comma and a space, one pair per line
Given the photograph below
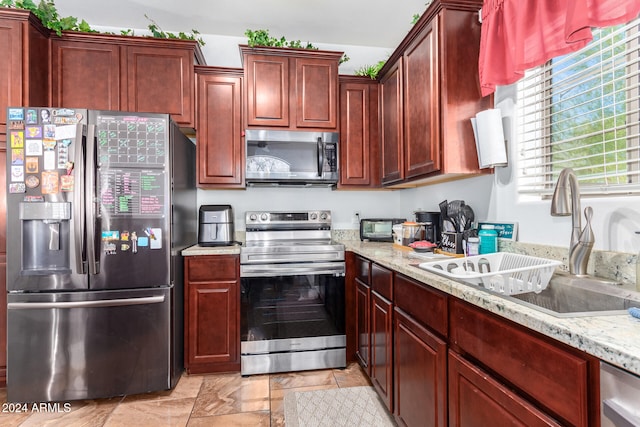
432, 225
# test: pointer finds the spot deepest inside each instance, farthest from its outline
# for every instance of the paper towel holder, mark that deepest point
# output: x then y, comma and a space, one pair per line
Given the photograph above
491, 144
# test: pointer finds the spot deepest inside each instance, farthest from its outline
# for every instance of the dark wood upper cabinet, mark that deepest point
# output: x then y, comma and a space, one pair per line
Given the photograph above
85, 75
220, 148
138, 74
391, 121
160, 79
24, 71
421, 106
316, 93
291, 88
359, 140
429, 92
267, 83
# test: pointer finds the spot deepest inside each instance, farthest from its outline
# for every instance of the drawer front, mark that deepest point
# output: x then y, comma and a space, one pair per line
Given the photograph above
554, 377
213, 268
426, 305
476, 399
382, 281
363, 267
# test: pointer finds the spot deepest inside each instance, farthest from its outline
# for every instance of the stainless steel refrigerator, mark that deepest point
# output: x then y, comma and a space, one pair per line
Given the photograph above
99, 206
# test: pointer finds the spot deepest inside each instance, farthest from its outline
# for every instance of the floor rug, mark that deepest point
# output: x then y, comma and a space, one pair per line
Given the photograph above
351, 406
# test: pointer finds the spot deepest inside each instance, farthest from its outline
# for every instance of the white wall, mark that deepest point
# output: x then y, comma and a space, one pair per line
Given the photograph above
343, 204
615, 218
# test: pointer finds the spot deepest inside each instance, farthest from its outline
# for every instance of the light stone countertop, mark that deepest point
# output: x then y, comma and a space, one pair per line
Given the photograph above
614, 339
211, 250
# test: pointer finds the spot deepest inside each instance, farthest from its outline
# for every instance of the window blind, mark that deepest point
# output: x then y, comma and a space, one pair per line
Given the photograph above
582, 111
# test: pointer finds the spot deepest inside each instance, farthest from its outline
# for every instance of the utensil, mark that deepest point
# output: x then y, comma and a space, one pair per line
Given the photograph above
453, 212
443, 209
467, 217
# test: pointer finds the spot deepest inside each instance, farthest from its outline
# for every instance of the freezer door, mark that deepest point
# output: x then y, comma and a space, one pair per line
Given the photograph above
88, 345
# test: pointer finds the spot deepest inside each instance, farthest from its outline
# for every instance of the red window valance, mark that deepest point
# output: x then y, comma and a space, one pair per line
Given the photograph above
522, 34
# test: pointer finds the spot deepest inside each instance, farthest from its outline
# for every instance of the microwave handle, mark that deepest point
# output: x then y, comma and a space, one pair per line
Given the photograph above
320, 156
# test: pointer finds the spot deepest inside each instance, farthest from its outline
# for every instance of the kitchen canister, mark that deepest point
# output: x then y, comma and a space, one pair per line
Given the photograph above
488, 239
473, 246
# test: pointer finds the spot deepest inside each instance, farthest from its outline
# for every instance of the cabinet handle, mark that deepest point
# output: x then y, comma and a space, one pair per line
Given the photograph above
320, 156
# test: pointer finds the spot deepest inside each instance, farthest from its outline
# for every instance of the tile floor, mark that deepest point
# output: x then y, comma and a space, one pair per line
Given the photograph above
198, 400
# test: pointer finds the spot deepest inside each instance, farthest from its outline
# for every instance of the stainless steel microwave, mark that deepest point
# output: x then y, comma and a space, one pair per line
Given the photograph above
294, 158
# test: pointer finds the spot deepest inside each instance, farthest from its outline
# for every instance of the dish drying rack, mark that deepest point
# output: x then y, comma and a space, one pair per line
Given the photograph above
501, 272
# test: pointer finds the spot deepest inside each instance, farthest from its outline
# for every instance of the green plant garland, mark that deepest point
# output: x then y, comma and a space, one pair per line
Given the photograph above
47, 13
262, 38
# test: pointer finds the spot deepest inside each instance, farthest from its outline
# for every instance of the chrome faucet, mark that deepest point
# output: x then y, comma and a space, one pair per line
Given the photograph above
568, 191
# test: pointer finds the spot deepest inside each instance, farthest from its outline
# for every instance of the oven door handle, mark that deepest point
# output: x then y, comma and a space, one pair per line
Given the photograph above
272, 270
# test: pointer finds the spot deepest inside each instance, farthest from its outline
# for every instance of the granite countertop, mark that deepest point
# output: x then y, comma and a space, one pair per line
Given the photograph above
614, 339
211, 250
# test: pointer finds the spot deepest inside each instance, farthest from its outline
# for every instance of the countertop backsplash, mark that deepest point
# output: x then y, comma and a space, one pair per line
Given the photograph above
616, 266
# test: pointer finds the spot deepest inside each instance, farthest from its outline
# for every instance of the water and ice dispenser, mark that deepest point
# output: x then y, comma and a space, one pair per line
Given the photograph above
46, 227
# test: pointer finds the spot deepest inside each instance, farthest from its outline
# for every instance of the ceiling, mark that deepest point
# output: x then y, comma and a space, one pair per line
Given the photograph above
374, 23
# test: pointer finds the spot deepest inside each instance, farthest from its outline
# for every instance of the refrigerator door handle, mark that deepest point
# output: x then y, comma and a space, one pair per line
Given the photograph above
91, 195
85, 304
78, 201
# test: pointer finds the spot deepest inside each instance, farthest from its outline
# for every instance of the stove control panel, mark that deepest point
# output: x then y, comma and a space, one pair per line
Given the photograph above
320, 219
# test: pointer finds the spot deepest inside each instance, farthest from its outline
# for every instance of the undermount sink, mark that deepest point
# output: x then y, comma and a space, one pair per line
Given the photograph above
571, 296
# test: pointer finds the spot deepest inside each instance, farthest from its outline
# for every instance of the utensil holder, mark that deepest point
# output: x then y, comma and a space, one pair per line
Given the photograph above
452, 242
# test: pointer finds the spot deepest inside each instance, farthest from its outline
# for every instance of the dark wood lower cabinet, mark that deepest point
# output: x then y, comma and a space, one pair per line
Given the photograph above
362, 306
382, 347
420, 374
436, 360
558, 379
476, 399
212, 313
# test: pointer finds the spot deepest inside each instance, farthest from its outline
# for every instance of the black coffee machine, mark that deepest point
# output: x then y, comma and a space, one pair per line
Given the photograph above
432, 225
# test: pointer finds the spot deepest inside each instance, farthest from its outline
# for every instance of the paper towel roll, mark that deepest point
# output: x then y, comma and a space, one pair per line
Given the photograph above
490, 143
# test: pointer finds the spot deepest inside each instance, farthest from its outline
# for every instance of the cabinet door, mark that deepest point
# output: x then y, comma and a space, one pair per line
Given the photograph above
382, 348
392, 129
212, 316
359, 143
420, 374
267, 90
421, 104
316, 93
10, 68
555, 376
85, 75
161, 80
220, 146
363, 298
478, 400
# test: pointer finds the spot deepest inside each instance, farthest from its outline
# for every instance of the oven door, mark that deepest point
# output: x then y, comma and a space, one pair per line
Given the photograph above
292, 318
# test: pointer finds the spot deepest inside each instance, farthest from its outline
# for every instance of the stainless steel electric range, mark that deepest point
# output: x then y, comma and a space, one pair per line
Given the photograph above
292, 304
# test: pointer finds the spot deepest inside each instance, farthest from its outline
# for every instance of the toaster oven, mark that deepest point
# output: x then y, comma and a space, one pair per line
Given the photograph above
378, 229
